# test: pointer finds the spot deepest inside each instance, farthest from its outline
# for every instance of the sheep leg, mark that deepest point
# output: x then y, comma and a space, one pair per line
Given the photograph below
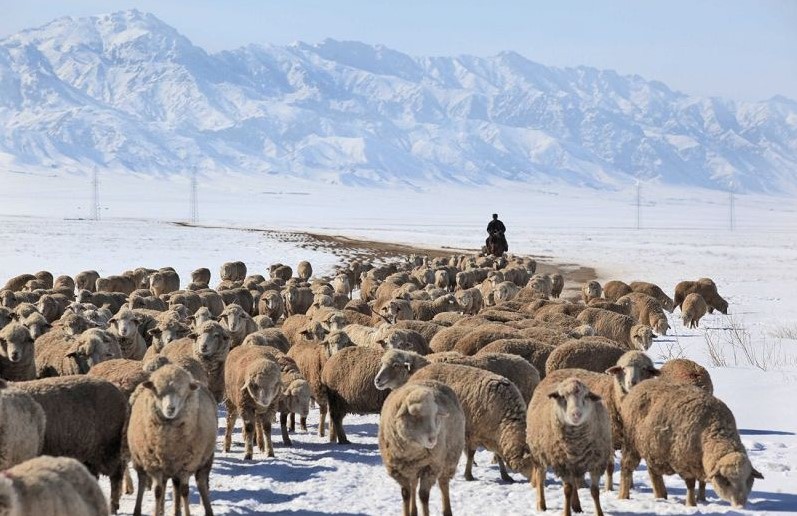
340, 433
129, 488
261, 444
413, 502
610, 475
178, 499
575, 500
701, 493
142, 485
249, 433
659, 491
690, 492
231, 416
446, 494
116, 486
322, 422
292, 423
426, 483
405, 499
469, 464
184, 497
568, 498
203, 484
538, 477
628, 464
286, 439
502, 468
594, 490
159, 488
266, 420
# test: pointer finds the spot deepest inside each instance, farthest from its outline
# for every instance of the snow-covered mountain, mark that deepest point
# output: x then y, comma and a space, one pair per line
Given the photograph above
126, 91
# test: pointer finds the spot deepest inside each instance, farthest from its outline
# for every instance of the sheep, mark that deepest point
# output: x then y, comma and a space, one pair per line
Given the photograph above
448, 319
124, 326
390, 337
615, 289
653, 291
23, 310
282, 272
441, 279
591, 290
568, 430
304, 270
683, 370
471, 300
126, 374
447, 338
64, 282
91, 416
624, 309
706, 288
557, 285
166, 329
200, 317
426, 310
58, 354
483, 335
348, 385
144, 299
532, 351
693, 309
300, 328
550, 309
210, 349
72, 324
297, 300
238, 296
16, 283
51, 486
421, 437
702, 442
232, 271
17, 361
595, 354
36, 325
22, 431
540, 286
512, 367
271, 304
124, 284
6, 317
213, 301
646, 310
172, 436
191, 300
341, 285
114, 300
465, 280
427, 329
52, 306
617, 327
253, 385
238, 323
201, 276
310, 359
272, 337
493, 406
396, 310
295, 398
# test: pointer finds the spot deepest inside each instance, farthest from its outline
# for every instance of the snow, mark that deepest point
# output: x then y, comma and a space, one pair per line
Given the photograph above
684, 235
127, 91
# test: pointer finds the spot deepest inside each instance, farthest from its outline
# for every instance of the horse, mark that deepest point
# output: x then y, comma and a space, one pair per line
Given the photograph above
495, 244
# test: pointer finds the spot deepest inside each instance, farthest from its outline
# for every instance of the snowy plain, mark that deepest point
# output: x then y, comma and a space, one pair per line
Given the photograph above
684, 234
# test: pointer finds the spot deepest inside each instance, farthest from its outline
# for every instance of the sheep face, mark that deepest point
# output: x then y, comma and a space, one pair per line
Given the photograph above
336, 341
573, 402
171, 387
297, 397
314, 331
212, 339
167, 332
394, 372
201, 316
721, 305
8, 299
97, 346
660, 325
16, 343
74, 324
632, 368
235, 318
125, 323
5, 317
732, 478
642, 336
36, 324
263, 382
593, 289
420, 418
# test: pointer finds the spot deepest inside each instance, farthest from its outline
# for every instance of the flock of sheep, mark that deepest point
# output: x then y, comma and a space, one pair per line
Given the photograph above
456, 353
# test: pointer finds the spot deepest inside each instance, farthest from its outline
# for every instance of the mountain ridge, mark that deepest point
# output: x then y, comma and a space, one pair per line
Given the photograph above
127, 91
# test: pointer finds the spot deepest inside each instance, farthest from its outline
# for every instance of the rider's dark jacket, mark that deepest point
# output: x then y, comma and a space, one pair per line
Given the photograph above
496, 225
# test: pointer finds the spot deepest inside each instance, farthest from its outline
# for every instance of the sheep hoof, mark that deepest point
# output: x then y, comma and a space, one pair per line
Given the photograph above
506, 478
248, 456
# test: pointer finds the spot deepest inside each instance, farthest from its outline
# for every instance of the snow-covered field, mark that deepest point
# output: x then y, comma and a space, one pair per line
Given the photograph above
684, 235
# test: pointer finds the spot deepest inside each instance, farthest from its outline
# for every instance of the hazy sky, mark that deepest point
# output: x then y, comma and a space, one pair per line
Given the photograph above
736, 48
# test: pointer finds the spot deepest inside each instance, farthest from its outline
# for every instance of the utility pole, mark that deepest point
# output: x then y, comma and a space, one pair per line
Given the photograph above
638, 203
194, 197
95, 186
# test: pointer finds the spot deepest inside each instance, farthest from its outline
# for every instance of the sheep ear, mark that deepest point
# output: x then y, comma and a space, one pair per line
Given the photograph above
757, 474
408, 366
154, 332
414, 409
593, 397
14, 316
654, 372
148, 385
614, 370
654, 335
192, 335
112, 320
554, 395
193, 386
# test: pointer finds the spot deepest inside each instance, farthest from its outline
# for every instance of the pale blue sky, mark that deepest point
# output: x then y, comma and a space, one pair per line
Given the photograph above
738, 49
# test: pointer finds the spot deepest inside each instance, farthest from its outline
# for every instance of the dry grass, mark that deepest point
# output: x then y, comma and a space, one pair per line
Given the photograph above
736, 346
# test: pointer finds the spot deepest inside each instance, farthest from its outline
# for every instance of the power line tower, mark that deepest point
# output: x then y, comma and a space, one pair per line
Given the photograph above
95, 187
194, 197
